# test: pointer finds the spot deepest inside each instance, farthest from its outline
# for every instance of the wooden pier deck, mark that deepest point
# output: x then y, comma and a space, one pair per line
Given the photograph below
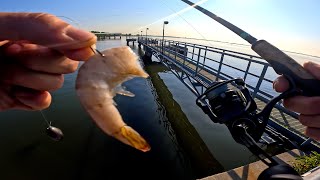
277, 116
253, 170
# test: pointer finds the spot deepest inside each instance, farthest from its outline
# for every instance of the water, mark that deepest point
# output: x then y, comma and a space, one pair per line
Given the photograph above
185, 143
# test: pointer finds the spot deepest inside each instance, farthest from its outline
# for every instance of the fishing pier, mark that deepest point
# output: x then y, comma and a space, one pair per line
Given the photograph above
131, 40
104, 35
198, 66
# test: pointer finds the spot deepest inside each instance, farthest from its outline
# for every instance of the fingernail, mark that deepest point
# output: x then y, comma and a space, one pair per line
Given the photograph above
274, 83
78, 34
311, 66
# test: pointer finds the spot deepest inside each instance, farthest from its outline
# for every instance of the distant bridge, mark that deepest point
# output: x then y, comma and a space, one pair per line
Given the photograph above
105, 35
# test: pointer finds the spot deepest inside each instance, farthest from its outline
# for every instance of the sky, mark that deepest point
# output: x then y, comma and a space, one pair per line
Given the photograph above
291, 25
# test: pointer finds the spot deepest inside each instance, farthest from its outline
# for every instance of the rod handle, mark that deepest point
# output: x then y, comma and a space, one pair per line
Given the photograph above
284, 64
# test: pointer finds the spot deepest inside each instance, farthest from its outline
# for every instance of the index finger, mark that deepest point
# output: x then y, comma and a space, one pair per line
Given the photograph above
43, 29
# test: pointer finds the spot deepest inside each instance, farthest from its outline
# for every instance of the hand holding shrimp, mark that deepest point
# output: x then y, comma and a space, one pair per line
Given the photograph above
36, 49
96, 85
33, 60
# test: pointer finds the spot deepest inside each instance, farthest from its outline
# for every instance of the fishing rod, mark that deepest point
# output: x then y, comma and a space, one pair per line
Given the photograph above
279, 61
236, 108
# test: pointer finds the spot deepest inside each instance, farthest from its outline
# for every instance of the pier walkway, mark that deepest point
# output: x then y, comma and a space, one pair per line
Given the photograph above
198, 66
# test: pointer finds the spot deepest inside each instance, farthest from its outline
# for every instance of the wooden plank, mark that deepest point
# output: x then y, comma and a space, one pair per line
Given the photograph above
253, 170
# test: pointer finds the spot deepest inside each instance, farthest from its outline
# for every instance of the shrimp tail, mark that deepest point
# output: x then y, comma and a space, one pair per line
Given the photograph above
130, 137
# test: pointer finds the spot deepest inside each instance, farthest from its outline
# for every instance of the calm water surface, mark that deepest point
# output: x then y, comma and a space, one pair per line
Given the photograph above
184, 141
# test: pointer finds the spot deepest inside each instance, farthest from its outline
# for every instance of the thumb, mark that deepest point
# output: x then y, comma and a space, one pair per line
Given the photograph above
43, 29
312, 68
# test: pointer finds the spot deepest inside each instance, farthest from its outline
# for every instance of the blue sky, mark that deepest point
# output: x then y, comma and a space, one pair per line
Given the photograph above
292, 25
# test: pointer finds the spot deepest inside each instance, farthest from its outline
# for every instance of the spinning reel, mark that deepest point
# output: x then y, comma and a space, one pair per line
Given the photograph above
230, 103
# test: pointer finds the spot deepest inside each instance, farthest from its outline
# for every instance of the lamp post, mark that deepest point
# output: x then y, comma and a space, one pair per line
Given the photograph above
164, 23
147, 35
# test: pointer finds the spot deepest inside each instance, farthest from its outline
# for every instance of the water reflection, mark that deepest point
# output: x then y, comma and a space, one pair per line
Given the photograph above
202, 161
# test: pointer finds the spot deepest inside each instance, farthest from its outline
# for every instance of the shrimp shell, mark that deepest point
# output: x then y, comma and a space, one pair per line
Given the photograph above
96, 86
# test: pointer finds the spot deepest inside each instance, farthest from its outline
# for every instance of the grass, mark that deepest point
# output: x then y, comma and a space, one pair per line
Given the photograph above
305, 163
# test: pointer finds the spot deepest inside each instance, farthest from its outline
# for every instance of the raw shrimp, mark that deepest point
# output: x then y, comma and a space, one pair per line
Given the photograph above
98, 81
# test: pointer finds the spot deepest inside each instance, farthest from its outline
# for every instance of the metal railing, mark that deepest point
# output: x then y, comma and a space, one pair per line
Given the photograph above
206, 65
219, 62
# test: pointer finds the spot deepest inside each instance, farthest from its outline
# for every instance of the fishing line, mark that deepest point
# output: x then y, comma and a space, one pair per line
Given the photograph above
44, 117
53, 132
209, 40
71, 20
173, 15
179, 14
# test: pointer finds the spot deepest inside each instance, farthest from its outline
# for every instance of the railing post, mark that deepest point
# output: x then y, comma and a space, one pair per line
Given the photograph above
220, 65
197, 67
263, 73
247, 70
164, 45
205, 56
185, 54
175, 54
168, 51
193, 51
